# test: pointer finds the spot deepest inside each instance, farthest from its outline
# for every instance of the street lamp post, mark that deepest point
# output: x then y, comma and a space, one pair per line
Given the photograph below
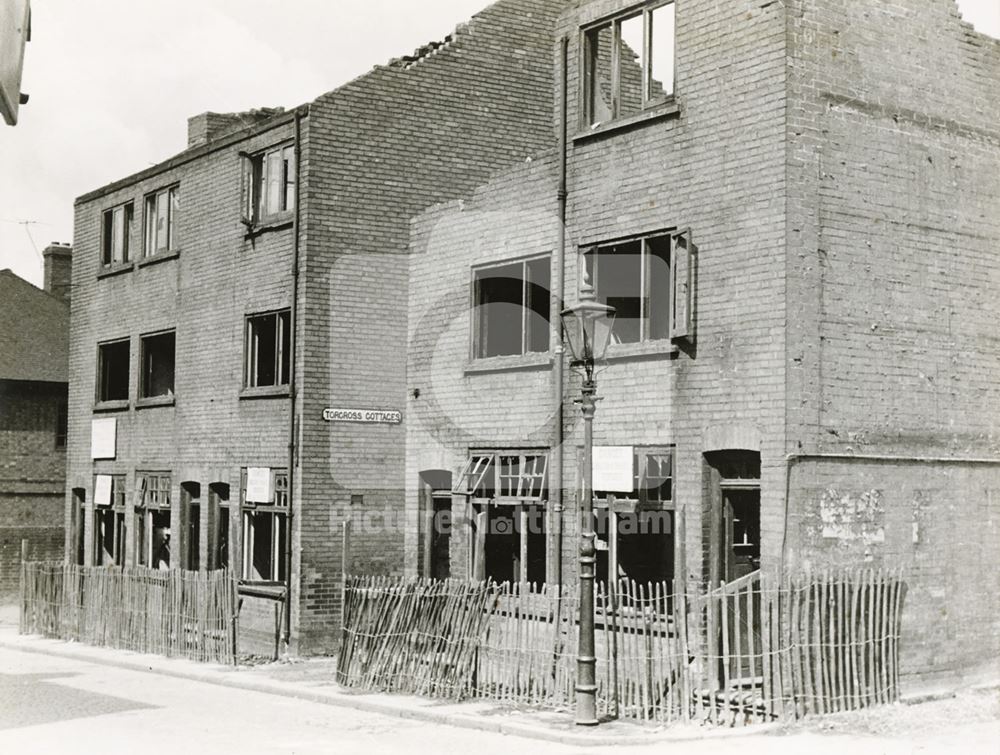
588, 331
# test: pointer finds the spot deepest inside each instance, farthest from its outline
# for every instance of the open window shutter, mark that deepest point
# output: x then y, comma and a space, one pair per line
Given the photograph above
246, 189
140, 493
682, 277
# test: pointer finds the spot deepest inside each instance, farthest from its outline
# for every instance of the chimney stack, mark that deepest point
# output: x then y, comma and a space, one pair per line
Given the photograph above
58, 269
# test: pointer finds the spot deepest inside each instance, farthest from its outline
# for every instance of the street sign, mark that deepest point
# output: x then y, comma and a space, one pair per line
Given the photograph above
364, 416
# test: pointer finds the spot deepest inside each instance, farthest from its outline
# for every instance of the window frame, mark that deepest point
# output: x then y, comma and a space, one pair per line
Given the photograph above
107, 242
117, 509
680, 285
482, 462
150, 207
476, 308
99, 388
151, 501
144, 377
638, 499
255, 181
282, 350
278, 511
614, 22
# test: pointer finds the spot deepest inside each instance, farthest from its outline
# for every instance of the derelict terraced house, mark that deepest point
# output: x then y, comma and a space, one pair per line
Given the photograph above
795, 209
226, 297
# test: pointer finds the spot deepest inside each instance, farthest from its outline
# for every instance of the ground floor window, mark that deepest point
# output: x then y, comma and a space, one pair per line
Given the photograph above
507, 490
265, 525
218, 546
191, 511
110, 526
153, 520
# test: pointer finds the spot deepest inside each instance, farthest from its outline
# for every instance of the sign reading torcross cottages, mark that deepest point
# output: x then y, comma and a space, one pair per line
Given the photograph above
365, 416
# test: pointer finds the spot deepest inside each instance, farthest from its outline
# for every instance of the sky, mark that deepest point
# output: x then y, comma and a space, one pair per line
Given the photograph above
112, 86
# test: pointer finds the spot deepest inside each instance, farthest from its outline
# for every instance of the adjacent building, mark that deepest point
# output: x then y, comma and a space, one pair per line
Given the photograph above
795, 210
239, 307
34, 333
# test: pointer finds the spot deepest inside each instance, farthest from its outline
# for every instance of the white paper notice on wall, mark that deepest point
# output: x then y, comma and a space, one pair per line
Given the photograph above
103, 438
613, 469
259, 485
102, 490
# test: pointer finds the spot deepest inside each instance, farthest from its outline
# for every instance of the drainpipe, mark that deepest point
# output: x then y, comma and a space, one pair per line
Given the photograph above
286, 629
557, 307
792, 459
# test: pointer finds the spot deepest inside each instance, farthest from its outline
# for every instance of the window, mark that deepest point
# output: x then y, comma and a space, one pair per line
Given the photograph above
512, 308
637, 527
161, 221
112, 371
110, 526
116, 235
628, 64
62, 424
648, 282
154, 520
267, 349
507, 490
157, 377
269, 184
265, 530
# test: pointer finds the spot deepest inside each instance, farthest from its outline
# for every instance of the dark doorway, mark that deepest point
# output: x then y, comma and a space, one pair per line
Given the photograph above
436, 523
441, 538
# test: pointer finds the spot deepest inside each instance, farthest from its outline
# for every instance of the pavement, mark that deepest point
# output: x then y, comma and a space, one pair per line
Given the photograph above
311, 681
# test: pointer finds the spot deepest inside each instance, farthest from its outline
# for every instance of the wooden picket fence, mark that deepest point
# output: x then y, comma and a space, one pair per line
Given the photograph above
749, 651
173, 613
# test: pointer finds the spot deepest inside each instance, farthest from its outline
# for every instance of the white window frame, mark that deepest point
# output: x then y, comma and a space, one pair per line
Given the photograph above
116, 248
282, 350
258, 176
278, 511
478, 274
162, 205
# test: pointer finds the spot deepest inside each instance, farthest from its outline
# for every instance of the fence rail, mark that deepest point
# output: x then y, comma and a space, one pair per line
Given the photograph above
751, 650
173, 613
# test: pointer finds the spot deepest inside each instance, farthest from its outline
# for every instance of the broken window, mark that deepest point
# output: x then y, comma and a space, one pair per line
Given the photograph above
649, 282
269, 184
116, 235
110, 522
161, 221
628, 64
512, 308
507, 490
635, 529
268, 349
265, 531
157, 365
154, 520
112, 371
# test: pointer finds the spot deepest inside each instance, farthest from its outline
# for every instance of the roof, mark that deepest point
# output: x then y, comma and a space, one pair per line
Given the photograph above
34, 332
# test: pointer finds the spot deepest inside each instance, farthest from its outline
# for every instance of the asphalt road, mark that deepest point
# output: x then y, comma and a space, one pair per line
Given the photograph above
56, 705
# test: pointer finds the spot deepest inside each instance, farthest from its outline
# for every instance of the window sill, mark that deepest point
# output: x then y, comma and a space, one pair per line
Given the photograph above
265, 391
646, 350
271, 590
271, 223
662, 111
160, 257
109, 271
111, 406
154, 401
520, 362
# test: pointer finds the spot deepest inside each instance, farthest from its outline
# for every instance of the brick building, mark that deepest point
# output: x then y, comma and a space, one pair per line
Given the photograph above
795, 209
227, 297
34, 333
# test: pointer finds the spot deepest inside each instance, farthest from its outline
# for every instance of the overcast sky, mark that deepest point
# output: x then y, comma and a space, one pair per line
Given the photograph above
112, 86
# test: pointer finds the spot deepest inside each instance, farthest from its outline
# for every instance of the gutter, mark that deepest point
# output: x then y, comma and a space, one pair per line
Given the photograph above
558, 285
286, 629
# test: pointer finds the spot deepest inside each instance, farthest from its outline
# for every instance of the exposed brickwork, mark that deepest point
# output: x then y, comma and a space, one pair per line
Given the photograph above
374, 153
842, 194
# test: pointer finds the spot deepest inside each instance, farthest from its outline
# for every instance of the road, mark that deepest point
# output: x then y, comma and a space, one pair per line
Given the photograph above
56, 705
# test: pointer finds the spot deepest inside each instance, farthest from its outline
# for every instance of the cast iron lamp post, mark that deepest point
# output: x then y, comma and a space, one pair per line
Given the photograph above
588, 331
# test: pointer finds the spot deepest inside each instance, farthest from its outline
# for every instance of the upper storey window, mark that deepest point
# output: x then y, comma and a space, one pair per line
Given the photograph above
511, 308
116, 235
161, 221
269, 184
628, 64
